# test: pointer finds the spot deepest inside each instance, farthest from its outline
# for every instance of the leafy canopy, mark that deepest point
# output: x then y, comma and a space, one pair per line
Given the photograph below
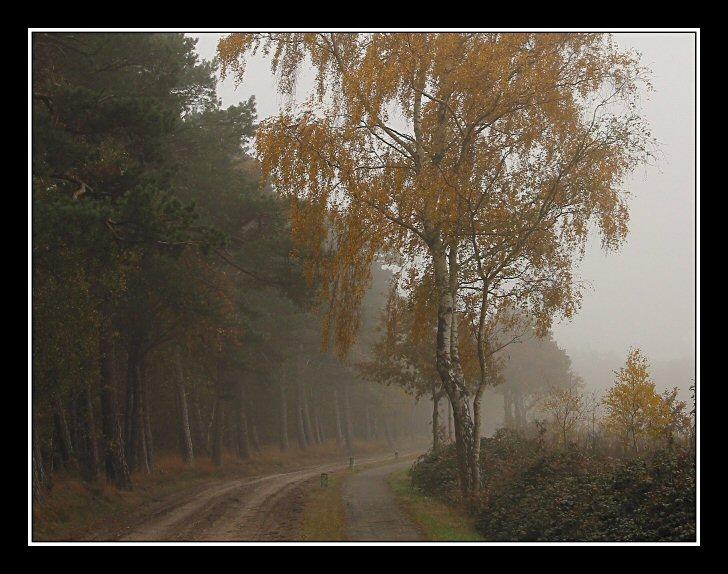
500, 148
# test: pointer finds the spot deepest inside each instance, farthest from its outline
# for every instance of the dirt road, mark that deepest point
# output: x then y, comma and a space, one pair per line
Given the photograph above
372, 513
266, 508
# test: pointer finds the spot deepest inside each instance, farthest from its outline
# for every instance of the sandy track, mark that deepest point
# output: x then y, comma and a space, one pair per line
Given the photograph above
265, 508
372, 513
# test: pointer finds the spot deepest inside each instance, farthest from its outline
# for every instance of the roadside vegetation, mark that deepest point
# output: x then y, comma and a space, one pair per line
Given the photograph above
324, 517
437, 520
627, 475
535, 495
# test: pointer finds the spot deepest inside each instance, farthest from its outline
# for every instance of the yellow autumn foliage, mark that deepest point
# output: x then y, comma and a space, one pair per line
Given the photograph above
636, 412
499, 148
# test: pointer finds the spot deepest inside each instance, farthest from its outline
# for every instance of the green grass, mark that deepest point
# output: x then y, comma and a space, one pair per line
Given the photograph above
438, 521
324, 517
323, 512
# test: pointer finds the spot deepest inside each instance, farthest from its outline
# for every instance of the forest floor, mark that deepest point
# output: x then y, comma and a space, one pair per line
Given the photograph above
242, 501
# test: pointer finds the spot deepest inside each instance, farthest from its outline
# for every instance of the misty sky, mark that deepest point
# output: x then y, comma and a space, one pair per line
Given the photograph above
645, 294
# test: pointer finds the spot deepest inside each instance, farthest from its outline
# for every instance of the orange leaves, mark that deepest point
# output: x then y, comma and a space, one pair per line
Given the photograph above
635, 411
505, 147
230, 49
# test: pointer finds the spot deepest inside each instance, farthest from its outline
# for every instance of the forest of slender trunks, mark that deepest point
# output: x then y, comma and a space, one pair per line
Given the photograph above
168, 314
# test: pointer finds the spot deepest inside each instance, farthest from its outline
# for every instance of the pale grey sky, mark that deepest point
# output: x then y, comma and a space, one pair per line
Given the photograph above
645, 294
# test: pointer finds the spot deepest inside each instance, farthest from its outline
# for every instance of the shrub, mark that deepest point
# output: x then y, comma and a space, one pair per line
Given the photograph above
531, 494
436, 473
569, 496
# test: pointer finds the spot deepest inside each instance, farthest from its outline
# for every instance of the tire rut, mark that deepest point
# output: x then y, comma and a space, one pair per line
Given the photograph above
266, 508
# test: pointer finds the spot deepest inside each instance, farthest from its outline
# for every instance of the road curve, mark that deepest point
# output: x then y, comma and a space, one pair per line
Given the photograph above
247, 509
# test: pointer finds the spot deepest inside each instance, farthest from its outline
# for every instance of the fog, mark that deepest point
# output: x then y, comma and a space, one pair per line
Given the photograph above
644, 295
213, 360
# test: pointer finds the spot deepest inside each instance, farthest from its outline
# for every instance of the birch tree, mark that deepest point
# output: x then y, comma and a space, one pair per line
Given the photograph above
488, 155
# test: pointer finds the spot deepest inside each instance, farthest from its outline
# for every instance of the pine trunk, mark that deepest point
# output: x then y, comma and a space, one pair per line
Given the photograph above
300, 426
255, 441
40, 476
319, 427
88, 437
368, 422
211, 428
135, 421
307, 425
348, 429
186, 447
148, 443
201, 442
315, 421
283, 419
217, 431
387, 433
252, 423
243, 440
115, 461
63, 442
337, 419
